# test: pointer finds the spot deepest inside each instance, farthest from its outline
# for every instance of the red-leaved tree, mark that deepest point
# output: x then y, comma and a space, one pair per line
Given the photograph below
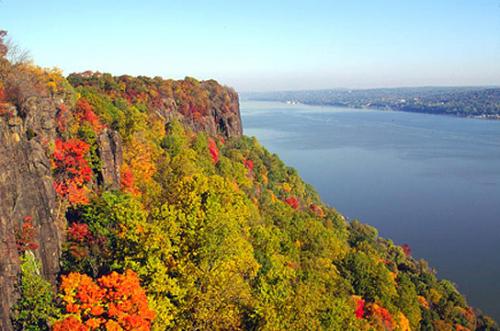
248, 164
406, 249
26, 235
292, 202
214, 151
71, 170
85, 114
360, 308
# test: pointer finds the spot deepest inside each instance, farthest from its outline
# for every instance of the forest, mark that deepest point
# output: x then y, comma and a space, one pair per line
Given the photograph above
166, 217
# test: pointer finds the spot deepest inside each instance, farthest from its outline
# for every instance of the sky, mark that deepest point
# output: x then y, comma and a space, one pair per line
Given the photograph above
256, 45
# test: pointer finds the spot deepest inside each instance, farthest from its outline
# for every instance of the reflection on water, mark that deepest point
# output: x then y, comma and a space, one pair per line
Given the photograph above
430, 181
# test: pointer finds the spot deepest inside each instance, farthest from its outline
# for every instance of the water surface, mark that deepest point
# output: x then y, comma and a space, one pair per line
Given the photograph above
427, 180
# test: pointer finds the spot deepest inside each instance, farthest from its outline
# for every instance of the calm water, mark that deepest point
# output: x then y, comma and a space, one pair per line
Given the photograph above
430, 181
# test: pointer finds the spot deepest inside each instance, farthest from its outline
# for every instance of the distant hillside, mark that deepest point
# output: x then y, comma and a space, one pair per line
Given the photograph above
483, 102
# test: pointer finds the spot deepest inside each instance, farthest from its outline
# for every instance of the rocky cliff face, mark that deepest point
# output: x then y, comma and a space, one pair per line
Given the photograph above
225, 110
27, 135
26, 191
110, 154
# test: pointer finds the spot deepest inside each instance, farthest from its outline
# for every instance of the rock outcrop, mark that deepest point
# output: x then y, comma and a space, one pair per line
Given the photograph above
110, 154
26, 190
229, 122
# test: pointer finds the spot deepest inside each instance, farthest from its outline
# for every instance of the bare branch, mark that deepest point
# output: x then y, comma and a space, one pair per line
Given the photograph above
16, 54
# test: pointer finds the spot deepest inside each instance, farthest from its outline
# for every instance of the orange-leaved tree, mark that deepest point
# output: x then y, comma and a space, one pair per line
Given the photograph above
381, 316
127, 180
115, 302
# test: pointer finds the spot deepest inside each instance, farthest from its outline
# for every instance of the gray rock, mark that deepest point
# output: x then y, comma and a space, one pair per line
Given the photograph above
110, 154
26, 190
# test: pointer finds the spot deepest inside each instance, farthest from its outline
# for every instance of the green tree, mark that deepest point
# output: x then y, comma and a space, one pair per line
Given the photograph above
35, 308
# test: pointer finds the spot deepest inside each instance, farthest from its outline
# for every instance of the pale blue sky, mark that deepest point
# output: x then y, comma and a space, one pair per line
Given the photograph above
266, 45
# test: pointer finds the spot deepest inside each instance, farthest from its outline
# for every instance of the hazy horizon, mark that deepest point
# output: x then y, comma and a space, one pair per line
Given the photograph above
265, 45
372, 88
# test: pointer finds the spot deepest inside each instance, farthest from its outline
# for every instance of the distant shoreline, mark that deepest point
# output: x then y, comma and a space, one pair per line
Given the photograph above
464, 102
477, 117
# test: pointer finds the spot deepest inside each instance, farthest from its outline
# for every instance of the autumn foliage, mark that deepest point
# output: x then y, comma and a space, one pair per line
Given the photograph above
127, 180
223, 235
2, 96
26, 235
71, 170
79, 237
70, 323
292, 202
317, 210
406, 249
360, 308
214, 151
85, 114
248, 164
115, 302
3, 100
2, 93
423, 302
78, 232
382, 315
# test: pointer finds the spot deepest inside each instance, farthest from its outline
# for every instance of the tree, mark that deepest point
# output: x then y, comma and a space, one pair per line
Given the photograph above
408, 300
85, 114
115, 302
13, 52
35, 308
71, 170
206, 219
214, 151
292, 202
26, 235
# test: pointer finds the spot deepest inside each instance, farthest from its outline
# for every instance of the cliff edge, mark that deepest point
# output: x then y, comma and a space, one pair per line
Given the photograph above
38, 108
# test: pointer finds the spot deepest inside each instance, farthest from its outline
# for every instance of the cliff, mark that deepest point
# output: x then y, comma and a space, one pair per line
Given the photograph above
36, 107
26, 191
139, 202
